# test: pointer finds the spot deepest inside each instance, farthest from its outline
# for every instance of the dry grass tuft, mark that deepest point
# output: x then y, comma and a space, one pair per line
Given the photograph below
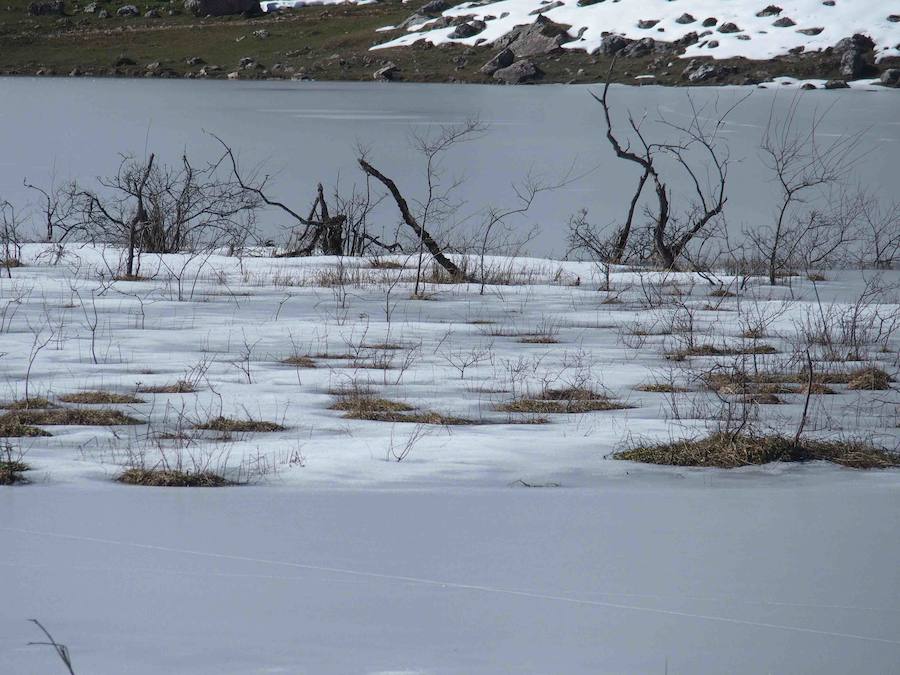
382, 346
721, 293
129, 277
179, 387
559, 401
11, 427
229, 425
538, 340
661, 388
11, 263
99, 397
299, 361
103, 417
359, 405
32, 403
712, 350
816, 277
379, 264
11, 472
171, 478
869, 379
727, 452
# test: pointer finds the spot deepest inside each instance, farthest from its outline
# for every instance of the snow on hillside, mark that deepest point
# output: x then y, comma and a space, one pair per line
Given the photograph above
738, 31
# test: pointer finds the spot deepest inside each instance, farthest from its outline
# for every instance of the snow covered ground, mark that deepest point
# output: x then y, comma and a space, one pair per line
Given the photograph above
813, 25
340, 558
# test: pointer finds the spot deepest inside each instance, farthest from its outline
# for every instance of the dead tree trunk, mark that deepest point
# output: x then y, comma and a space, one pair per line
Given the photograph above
433, 247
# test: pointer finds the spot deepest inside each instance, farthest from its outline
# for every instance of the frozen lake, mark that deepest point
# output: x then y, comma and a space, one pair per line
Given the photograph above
305, 132
741, 574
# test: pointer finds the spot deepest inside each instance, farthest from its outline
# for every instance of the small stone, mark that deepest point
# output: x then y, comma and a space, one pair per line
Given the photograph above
685, 18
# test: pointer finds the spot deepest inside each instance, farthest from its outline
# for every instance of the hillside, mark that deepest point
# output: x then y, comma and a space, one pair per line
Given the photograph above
564, 41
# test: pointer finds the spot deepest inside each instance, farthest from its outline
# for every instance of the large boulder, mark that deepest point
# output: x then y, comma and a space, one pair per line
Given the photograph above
128, 10
854, 53
467, 29
541, 37
502, 59
221, 7
518, 73
46, 8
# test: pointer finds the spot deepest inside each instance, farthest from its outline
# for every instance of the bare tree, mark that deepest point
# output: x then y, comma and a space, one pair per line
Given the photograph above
696, 153
58, 209
802, 168
437, 205
10, 222
343, 231
154, 208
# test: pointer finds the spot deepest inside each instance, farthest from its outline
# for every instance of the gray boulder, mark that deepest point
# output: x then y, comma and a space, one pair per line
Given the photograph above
854, 52
466, 30
639, 48
612, 44
387, 73
518, 73
502, 59
837, 84
54, 7
128, 10
891, 77
542, 37
221, 7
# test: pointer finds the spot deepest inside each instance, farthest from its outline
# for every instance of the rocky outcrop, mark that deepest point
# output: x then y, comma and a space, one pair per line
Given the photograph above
221, 7
698, 71
520, 72
541, 37
854, 52
502, 59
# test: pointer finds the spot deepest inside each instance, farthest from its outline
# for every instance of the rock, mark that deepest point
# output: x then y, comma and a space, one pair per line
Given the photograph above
75, 72
647, 23
687, 40
639, 48
195, 61
233, 75
542, 37
152, 14
784, 22
546, 8
808, 85
518, 73
700, 72
711, 21
837, 84
91, 8
891, 77
124, 61
127, 10
712, 44
854, 53
261, 34
247, 62
222, 7
728, 28
612, 44
771, 10
685, 18
894, 18
501, 59
434, 7
810, 31
102, 14
387, 73
156, 65
51, 8
468, 29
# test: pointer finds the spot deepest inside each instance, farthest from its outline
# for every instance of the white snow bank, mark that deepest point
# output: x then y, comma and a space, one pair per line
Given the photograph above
757, 38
